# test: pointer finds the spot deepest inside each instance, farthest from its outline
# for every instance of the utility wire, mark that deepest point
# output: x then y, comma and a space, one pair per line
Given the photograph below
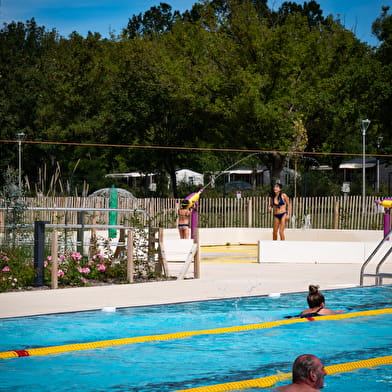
195, 148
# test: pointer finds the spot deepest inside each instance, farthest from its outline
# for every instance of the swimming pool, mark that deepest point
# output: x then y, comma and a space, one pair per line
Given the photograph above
198, 360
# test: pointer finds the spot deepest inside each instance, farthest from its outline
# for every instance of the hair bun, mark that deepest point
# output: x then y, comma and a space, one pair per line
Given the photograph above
313, 289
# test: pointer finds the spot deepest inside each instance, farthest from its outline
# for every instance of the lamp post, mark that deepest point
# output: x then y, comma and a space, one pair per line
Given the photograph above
20, 136
364, 127
379, 140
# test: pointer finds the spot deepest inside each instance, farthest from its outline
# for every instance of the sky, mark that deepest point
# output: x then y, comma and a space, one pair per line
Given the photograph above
105, 16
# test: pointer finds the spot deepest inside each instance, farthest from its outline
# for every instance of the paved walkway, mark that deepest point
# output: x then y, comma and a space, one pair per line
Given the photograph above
225, 272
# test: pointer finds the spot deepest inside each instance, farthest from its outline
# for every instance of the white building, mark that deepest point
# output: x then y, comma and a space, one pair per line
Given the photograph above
189, 177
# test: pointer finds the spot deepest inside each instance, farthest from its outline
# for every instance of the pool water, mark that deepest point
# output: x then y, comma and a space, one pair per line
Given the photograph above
198, 360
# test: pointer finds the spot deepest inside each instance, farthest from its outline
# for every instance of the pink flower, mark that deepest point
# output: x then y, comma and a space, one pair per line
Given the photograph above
49, 258
84, 280
76, 255
45, 263
101, 267
6, 269
15, 280
60, 273
84, 270
62, 257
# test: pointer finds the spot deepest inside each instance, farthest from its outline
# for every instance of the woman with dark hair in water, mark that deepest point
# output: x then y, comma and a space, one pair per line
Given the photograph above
280, 204
316, 302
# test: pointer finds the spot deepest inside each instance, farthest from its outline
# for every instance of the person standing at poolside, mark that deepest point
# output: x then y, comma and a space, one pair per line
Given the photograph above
184, 215
280, 204
308, 375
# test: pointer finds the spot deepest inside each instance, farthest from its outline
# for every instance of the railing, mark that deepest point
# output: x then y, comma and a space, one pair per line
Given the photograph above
378, 275
310, 212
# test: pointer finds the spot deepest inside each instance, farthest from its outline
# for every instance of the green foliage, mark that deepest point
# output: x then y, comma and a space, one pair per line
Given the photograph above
226, 74
16, 269
12, 196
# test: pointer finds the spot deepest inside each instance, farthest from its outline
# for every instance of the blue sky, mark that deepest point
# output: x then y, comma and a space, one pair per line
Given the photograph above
104, 16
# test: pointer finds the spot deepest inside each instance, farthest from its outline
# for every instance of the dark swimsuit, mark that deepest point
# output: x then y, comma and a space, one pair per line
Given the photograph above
313, 314
280, 216
281, 203
181, 225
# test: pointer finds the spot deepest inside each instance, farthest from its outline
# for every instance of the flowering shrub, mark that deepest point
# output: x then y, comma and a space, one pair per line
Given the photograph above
74, 269
15, 272
77, 270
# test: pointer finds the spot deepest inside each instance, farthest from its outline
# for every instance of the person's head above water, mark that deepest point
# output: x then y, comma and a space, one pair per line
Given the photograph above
308, 375
308, 368
315, 297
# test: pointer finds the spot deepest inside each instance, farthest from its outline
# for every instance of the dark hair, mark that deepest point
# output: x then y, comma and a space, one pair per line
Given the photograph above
272, 189
185, 203
315, 297
302, 366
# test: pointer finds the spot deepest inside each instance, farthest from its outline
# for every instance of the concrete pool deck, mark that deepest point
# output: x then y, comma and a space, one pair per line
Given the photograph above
232, 274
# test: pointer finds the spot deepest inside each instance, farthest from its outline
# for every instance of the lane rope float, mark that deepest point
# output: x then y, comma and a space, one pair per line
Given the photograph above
270, 381
182, 335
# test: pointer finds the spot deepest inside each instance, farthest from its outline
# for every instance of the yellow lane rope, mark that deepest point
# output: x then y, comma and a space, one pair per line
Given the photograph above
267, 382
182, 335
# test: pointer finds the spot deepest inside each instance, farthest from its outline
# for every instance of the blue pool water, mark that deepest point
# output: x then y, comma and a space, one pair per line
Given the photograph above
198, 360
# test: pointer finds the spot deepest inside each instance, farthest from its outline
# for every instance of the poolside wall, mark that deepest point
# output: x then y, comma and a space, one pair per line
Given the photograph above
316, 252
236, 235
302, 246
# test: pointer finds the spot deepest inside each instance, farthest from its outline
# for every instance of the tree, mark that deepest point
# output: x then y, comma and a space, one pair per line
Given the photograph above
156, 20
21, 46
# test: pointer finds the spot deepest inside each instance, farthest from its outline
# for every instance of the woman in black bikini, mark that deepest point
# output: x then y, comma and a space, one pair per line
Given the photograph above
316, 304
184, 214
280, 203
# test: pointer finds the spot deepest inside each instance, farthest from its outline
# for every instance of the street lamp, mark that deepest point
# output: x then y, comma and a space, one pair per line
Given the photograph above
364, 127
20, 136
379, 140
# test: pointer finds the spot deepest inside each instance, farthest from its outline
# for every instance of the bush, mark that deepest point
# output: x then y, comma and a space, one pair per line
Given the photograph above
16, 269
77, 270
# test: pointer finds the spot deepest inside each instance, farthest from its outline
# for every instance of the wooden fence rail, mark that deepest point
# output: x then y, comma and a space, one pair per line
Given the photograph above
313, 212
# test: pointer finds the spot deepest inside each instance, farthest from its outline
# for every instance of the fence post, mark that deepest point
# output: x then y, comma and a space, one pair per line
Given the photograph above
39, 252
336, 215
130, 265
250, 213
80, 232
196, 259
55, 264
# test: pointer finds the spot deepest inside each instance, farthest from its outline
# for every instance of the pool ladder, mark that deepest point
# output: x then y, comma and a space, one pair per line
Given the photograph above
379, 276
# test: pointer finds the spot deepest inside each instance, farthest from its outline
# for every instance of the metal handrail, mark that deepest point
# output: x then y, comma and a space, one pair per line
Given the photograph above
378, 279
84, 209
371, 257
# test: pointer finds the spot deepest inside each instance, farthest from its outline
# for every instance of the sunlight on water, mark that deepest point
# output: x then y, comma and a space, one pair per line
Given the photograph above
198, 360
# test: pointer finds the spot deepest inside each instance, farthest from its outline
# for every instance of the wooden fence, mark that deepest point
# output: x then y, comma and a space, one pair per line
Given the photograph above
312, 212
